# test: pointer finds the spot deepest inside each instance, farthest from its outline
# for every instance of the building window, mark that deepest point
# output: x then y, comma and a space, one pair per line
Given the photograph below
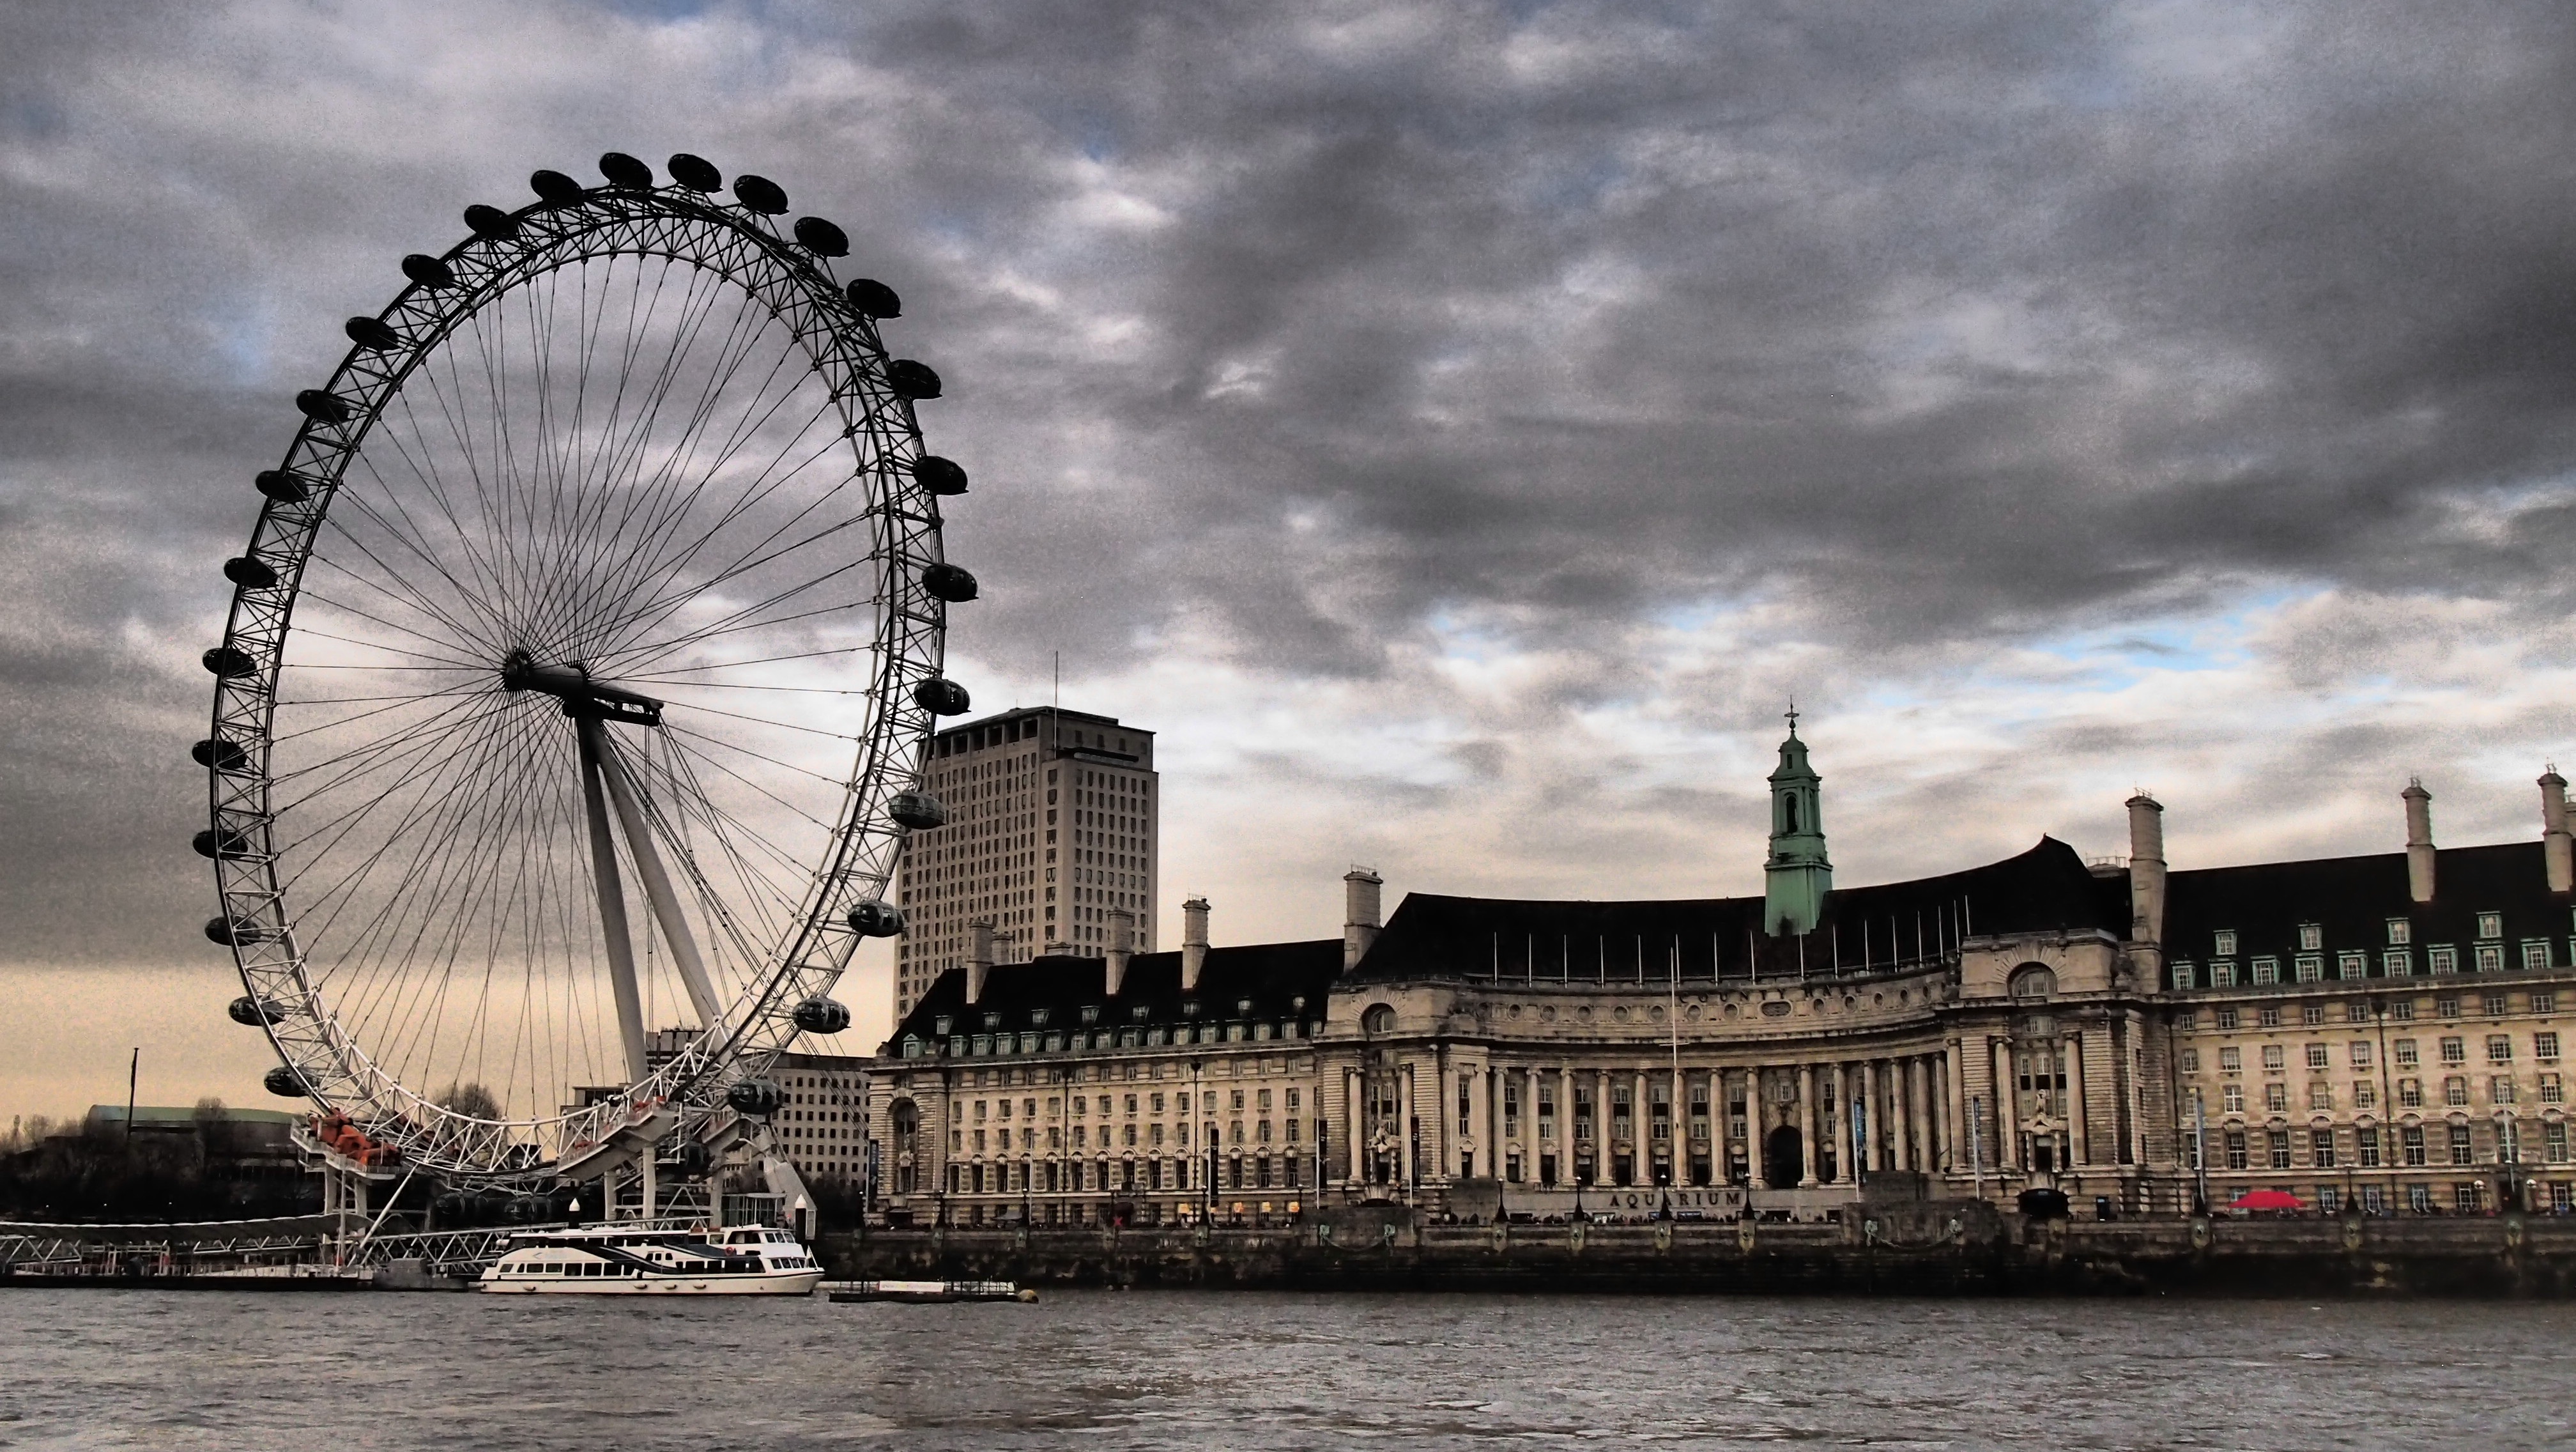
2317, 1057
2182, 976
2275, 1056
2312, 936
2223, 943
2461, 1152
2406, 1057
2491, 957
2191, 1061
2321, 1148
2410, 1093
2312, 968
2231, 1099
2227, 1017
2550, 1092
2455, 1091
2490, 925
2364, 1094
2352, 965
2231, 1060
2276, 1098
2499, 1048
2442, 959
2360, 1053
2320, 1094
2447, 1006
2222, 975
2279, 1146
2397, 963
2495, 1005
2268, 1016
2400, 931
2236, 1149
2500, 1089
2455, 1050
2402, 1010
2267, 970
2553, 1142
2366, 1140
2312, 1014
2410, 1139
2535, 953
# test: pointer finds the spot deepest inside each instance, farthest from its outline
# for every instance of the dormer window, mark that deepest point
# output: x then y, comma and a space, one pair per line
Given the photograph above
992, 1020
942, 1024
2223, 943
1190, 1008
2312, 936
1037, 1018
2400, 931
2490, 925
1138, 1012
1243, 1005
1091, 1013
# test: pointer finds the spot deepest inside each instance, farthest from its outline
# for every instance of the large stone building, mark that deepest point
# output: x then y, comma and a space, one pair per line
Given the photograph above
2382, 1030
1051, 829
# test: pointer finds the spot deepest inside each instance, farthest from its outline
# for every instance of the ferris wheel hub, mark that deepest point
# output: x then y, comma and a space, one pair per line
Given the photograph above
570, 682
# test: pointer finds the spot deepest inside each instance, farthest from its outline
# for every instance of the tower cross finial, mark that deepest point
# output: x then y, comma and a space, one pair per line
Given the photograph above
1793, 715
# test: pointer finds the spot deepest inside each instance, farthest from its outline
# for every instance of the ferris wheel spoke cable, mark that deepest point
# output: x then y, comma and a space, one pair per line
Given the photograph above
327, 832
654, 567
711, 902
424, 637
424, 832
485, 555
419, 597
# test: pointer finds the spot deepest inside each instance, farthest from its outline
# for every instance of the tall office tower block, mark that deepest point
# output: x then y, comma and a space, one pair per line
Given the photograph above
1052, 824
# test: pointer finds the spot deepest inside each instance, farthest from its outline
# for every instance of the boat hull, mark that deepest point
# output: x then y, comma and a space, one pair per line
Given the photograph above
791, 1283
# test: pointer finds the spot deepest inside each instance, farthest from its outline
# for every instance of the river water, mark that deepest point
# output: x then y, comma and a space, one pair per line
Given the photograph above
1216, 1372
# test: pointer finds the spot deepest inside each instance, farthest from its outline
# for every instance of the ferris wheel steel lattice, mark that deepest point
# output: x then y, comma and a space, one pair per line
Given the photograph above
567, 720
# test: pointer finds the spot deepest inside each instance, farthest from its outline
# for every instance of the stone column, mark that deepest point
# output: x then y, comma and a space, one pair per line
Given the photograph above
1681, 1126
2076, 1101
1954, 1104
2134, 1143
1601, 1126
1407, 1110
1869, 1115
1354, 1112
1564, 1126
1918, 1094
1806, 1126
1999, 1056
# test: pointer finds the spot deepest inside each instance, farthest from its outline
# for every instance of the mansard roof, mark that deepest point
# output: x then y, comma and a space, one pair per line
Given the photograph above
1281, 981
2353, 898
2045, 889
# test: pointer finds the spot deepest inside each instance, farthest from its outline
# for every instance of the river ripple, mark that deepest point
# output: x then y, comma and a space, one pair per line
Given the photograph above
354, 1373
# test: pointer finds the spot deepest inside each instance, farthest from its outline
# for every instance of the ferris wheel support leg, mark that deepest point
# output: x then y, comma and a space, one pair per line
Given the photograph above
645, 1164
612, 898
657, 888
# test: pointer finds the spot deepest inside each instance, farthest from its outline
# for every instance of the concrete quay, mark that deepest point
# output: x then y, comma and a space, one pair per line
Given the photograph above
1938, 1248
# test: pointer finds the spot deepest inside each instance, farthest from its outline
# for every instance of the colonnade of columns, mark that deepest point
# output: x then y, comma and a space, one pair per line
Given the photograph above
1467, 1115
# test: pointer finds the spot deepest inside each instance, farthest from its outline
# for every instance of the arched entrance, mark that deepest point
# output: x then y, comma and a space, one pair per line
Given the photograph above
1783, 1158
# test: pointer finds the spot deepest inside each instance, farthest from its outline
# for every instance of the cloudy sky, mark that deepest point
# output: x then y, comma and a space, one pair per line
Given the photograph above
1458, 429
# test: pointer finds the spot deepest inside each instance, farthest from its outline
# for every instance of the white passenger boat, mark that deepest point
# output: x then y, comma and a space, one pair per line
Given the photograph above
749, 1260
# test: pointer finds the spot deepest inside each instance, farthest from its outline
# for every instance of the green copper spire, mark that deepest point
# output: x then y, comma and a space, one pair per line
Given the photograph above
1797, 876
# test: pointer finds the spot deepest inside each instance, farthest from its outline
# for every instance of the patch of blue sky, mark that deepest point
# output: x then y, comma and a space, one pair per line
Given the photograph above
243, 334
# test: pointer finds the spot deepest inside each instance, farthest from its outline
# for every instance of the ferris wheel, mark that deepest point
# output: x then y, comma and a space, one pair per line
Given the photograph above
567, 721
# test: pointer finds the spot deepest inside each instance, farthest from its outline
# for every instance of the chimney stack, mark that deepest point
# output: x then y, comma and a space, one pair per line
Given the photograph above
1194, 942
2554, 841
2419, 840
979, 957
1359, 914
2146, 869
1122, 946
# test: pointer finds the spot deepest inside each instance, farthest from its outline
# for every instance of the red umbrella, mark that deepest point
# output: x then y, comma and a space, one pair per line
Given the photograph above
2266, 1200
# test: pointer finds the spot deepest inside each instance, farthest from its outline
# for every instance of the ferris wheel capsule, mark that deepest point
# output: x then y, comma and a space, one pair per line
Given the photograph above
822, 1016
